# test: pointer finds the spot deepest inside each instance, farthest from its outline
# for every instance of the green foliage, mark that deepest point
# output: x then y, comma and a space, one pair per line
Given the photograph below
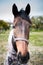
36, 38
37, 23
4, 25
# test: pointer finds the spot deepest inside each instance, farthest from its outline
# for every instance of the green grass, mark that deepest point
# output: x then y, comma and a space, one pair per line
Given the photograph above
36, 38
3, 41
4, 36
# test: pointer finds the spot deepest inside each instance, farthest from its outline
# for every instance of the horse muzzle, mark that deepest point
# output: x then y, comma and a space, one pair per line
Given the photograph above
23, 59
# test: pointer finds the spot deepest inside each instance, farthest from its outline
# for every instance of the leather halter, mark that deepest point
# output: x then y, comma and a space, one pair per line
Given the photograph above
14, 39
19, 38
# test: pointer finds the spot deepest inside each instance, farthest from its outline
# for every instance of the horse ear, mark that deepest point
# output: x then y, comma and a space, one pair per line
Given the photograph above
14, 10
27, 9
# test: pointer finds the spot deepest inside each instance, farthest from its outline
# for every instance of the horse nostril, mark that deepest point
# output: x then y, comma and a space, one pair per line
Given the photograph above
23, 59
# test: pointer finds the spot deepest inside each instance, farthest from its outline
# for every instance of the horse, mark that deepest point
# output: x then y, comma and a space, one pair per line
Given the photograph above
18, 53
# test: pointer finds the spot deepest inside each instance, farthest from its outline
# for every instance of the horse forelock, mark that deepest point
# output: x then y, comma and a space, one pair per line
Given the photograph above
23, 15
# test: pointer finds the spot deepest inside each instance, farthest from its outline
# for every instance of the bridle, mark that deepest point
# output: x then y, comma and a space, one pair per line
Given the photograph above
20, 38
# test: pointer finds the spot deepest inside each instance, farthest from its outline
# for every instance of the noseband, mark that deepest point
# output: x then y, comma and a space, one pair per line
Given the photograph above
20, 38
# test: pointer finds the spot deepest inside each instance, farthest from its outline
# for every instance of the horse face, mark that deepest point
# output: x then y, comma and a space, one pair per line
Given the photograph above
21, 31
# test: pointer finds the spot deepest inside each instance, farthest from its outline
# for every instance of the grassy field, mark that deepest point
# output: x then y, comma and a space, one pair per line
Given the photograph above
36, 39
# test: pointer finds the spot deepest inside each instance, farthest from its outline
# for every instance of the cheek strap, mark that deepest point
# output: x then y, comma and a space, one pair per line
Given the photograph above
20, 39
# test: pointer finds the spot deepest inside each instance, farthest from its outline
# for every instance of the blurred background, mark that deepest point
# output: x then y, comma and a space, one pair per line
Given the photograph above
36, 30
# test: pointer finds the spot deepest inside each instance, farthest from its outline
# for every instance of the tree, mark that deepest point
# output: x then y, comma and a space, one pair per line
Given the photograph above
4, 25
37, 22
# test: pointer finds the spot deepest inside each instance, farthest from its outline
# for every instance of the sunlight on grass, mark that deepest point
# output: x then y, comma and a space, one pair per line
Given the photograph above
36, 38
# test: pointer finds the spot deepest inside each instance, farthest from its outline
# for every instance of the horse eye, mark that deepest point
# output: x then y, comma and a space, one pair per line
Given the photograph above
13, 26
